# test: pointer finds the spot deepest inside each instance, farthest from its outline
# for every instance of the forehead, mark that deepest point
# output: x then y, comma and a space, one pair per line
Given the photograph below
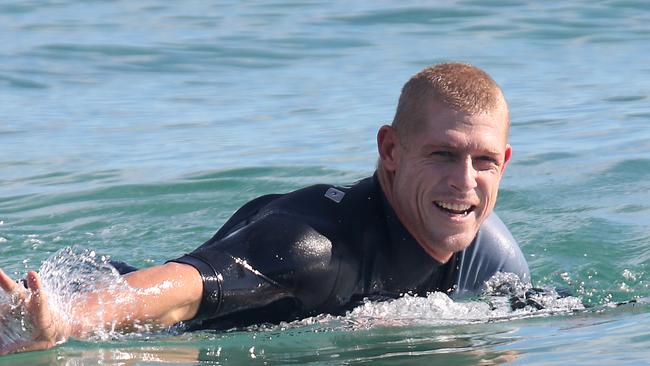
441, 124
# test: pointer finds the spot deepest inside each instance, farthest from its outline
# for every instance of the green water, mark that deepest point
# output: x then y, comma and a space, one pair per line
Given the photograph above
136, 129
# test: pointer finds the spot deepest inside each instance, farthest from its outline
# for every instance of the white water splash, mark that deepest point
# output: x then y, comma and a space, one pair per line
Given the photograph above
497, 303
435, 309
68, 276
71, 274
13, 327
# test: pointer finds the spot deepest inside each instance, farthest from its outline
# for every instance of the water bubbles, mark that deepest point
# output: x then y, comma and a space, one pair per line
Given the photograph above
628, 275
608, 297
504, 284
34, 241
213, 351
566, 277
631, 282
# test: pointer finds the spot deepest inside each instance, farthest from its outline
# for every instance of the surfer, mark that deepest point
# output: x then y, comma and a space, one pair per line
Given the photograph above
422, 223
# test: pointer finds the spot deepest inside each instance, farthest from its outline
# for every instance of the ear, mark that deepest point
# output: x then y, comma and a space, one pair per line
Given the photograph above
388, 146
506, 159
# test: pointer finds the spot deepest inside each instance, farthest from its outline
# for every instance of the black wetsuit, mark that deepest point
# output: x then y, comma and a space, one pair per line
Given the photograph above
323, 249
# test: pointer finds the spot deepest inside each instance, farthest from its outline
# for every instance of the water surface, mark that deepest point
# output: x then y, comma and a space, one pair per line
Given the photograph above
136, 128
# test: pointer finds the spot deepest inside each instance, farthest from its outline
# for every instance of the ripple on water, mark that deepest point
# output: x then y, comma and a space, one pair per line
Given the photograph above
625, 98
22, 83
410, 16
626, 170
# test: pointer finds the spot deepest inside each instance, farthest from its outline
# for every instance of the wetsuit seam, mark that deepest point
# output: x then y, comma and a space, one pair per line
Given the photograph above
474, 258
335, 285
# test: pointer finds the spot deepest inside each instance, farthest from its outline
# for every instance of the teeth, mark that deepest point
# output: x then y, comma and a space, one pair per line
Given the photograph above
453, 206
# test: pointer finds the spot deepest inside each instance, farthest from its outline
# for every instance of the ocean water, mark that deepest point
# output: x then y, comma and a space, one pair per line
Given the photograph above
135, 129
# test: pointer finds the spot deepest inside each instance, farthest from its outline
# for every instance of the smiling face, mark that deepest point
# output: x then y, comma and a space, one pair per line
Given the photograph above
442, 181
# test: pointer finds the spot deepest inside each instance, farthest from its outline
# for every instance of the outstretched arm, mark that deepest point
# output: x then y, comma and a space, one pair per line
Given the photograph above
160, 296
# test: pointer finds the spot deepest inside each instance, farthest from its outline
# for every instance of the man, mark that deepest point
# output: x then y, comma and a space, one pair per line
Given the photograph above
422, 223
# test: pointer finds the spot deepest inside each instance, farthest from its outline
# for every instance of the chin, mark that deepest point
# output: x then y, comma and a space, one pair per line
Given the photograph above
458, 242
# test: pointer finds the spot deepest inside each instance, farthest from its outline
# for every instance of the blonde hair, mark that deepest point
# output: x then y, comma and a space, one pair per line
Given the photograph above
459, 86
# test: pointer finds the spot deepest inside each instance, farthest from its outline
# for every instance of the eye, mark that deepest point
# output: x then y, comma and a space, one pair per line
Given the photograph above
486, 163
442, 154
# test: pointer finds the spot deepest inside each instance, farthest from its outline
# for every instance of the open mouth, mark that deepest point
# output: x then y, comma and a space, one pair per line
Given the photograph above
454, 208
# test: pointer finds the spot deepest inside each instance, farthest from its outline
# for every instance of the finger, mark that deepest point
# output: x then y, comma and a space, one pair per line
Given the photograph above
38, 302
7, 283
38, 299
12, 288
34, 282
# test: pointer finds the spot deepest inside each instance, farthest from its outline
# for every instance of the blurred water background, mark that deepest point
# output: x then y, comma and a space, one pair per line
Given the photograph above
136, 128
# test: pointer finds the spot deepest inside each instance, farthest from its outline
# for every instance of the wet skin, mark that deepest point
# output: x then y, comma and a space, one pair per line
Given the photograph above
443, 179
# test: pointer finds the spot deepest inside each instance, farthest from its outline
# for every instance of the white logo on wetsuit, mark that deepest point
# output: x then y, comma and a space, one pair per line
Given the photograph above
335, 194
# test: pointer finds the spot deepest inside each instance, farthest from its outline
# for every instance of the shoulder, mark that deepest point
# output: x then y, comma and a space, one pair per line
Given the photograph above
278, 251
494, 250
271, 238
291, 233
324, 199
301, 227
318, 201
495, 239
291, 238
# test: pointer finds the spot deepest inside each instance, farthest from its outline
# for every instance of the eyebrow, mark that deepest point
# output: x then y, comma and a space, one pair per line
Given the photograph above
446, 145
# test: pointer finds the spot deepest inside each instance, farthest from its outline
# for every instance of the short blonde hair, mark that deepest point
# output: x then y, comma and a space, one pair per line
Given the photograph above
459, 86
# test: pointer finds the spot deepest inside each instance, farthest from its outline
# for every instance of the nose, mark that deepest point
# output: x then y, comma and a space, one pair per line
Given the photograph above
463, 175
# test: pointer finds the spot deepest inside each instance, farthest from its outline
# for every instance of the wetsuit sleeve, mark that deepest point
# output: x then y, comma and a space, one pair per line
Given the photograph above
494, 250
276, 258
122, 267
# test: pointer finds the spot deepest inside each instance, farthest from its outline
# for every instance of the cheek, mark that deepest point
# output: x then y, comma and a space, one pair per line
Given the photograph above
410, 183
489, 186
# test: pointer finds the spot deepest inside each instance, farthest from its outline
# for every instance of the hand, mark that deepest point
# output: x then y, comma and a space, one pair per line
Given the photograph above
48, 327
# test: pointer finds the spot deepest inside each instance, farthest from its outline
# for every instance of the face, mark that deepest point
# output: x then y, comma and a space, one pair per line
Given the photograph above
445, 177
